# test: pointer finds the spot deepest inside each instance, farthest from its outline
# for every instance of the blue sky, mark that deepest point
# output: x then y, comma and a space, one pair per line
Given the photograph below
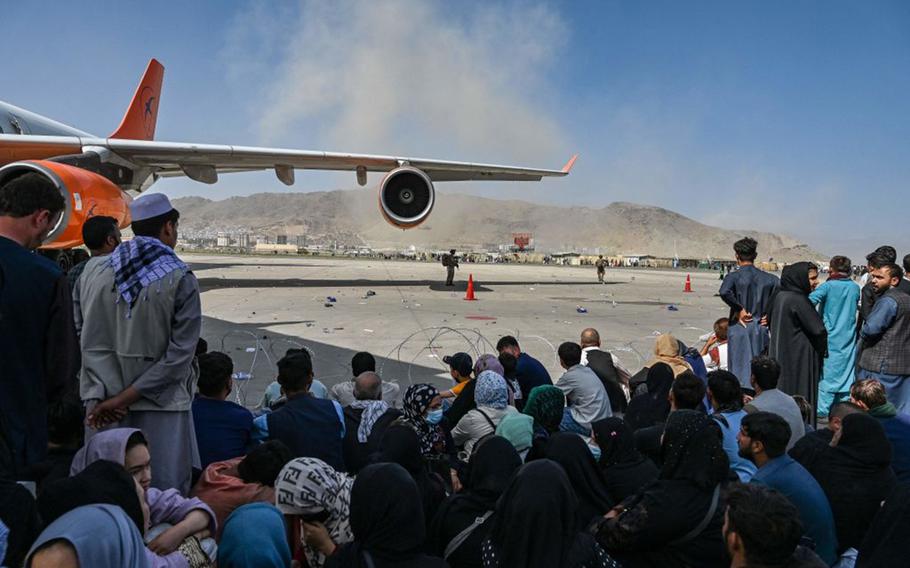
786, 116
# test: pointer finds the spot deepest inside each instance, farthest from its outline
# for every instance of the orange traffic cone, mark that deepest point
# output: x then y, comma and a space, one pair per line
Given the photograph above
688, 287
470, 295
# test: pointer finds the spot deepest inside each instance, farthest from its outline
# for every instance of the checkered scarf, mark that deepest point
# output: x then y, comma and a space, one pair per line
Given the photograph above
141, 262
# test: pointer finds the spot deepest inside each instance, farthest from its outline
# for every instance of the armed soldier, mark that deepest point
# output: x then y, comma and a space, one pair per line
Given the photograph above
601, 265
450, 261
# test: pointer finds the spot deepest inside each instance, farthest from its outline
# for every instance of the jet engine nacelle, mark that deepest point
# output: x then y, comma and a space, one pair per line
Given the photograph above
406, 197
85, 193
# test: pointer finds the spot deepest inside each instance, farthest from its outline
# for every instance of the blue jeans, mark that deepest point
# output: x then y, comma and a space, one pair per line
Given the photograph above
569, 424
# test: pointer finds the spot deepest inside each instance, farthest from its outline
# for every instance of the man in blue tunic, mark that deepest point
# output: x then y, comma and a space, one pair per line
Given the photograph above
837, 300
747, 291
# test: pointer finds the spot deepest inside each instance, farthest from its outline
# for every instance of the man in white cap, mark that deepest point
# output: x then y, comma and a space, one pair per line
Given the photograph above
139, 317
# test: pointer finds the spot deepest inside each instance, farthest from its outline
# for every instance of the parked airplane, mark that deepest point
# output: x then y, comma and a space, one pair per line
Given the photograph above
94, 174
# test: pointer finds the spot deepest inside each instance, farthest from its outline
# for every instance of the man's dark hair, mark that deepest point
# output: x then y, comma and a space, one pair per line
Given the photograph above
906, 263
765, 520
65, 423
152, 227
570, 353
746, 249
841, 409
27, 193
215, 370
840, 264
96, 230
264, 463
295, 371
766, 371
876, 260
769, 429
688, 391
509, 365
202, 346
805, 409
506, 341
885, 252
135, 439
362, 362
726, 390
894, 271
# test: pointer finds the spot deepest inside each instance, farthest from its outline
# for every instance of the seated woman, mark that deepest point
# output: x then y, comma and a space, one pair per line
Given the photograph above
72, 541
492, 465
573, 454
491, 395
546, 405
226, 485
316, 499
677, 520
652, 406
625, 469
174, 518
387, 522
536, 524
254, 537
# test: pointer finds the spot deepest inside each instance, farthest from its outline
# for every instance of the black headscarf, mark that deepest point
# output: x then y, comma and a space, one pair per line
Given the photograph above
535, 524
795, 278
863, 446
400, 444
616, 441
102, 482
652, 407
571, 452
386, 517
886, 538
693, 451
20, 515
492, 466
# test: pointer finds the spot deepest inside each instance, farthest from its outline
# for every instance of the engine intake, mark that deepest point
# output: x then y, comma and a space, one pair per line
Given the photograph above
85, 193
406, 197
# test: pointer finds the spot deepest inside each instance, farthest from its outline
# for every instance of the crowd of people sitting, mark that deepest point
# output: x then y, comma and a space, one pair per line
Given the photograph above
140, 459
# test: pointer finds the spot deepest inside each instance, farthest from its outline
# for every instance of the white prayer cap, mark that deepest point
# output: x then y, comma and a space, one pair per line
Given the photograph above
149, 205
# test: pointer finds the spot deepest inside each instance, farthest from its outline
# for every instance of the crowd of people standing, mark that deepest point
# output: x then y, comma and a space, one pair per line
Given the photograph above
783, 442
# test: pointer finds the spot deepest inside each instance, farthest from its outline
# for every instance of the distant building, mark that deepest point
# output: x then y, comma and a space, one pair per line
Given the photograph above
222, 240
244, 240
282, 240
266, 248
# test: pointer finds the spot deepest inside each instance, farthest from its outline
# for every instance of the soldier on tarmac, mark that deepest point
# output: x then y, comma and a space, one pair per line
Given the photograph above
601, 265
450, 261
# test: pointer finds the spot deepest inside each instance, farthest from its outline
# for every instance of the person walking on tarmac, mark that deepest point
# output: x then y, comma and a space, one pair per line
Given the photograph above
450, 261
601, 265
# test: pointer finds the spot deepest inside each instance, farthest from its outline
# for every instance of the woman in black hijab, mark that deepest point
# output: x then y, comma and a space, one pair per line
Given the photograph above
625, 470
492, 465
102, 482
387, 521
799, 340
886, 538
652, 407
400, 444
536, 524
855, 473
572, 453
20, 515
675, 521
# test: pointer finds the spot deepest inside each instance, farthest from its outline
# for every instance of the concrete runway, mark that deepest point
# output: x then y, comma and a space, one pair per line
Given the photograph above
258, 307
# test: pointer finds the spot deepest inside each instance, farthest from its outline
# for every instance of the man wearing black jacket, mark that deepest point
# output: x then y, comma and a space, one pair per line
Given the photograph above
604, 366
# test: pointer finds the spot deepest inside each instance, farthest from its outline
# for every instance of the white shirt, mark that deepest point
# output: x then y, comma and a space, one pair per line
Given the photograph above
721, 354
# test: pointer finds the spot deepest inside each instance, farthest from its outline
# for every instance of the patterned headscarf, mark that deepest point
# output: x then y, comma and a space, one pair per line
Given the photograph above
416, 401
491, 391
372, 411
141, 262
545, 405
307, 486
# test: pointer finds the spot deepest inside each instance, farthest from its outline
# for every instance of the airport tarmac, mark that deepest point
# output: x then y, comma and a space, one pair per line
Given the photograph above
256, 308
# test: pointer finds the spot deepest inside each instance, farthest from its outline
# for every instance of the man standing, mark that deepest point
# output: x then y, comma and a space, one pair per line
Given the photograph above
879, 257
837, 299
601, 265
586, 398
139, 317
529, 372
762, 439
101, 235
607, 368
886, 337
904, 285
39, 353
450, 261
747, 291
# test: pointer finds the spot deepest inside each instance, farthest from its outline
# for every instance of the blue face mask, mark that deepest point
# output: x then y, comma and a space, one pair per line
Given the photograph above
434, 416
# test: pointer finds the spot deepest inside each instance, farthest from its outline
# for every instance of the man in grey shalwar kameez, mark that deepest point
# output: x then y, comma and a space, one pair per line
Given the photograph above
747, 291
139, 317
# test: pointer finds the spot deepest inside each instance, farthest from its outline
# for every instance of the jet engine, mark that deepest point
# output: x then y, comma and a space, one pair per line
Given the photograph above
406, 197
85, 193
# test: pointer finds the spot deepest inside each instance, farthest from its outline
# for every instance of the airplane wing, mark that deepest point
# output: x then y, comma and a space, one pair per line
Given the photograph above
202, 162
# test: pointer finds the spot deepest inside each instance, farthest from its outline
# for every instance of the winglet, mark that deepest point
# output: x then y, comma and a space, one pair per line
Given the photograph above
570, 164
139, 121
